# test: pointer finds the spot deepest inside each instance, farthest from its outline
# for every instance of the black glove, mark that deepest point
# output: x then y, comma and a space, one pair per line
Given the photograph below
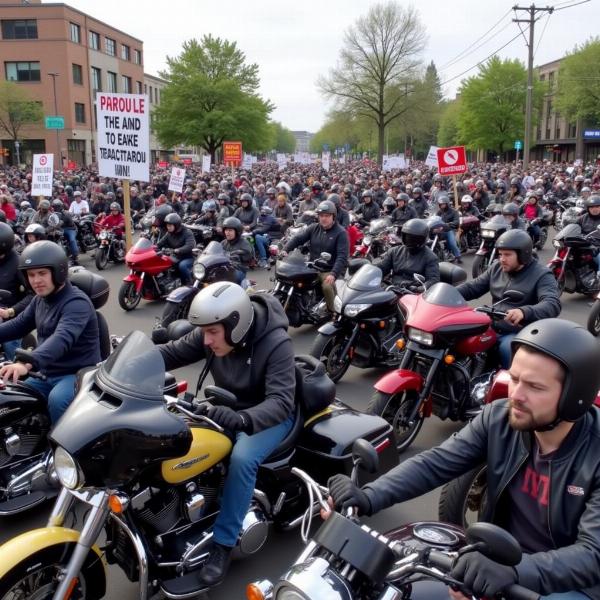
483, 576
346, 494
228, 418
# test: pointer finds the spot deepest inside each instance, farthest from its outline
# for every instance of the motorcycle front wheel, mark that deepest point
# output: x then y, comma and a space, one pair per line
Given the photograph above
394, 408
593, 323
463, 499
480, 264
543, 238
101, 258
328, 349
174, 311
129, 298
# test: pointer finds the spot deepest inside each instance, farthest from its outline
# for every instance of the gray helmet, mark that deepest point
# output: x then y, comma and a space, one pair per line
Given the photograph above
45, 254
210, 205
367, 194
246, 198
519, 241
265, 209
443, 199
225, 303
37, 230
389, 203
592, 201
403, 196
233, 223
57, 204
510, 209
223, 197
110, 196
334, 198
271, 191
326, 207
417, 190
25, 205
115, 206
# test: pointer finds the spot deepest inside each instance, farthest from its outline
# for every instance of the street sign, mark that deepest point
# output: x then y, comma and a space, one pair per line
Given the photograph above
591, 133
518, 145
55, 122
232, 153
452, 160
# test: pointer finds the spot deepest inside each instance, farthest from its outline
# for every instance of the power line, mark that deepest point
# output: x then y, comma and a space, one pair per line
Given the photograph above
575, 4
542, 35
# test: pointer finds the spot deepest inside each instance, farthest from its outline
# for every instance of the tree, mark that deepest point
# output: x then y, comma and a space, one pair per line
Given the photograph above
284, 140
17, 109
448, 134
212, 95
378, 64
578, 94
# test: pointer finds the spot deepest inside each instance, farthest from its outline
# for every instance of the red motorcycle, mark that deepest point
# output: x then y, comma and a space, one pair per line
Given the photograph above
153, 275
448, 365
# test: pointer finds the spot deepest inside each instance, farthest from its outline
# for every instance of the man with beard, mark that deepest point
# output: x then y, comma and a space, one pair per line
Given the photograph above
543, 458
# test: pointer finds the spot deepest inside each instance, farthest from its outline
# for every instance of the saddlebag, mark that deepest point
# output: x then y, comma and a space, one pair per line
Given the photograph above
93, 285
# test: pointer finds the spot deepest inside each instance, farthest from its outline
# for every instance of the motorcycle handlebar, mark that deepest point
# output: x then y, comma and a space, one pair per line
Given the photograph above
492, 312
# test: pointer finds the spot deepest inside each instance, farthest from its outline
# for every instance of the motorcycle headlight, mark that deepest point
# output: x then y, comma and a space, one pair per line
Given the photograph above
199, 271
556, 243
337, 305
488, 233
420, 336
367, 239
103, 235
352, 310
289, 594
67, 470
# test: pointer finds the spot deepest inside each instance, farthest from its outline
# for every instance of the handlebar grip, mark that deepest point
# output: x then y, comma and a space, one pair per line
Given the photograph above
37, 375
441, 560
518, 592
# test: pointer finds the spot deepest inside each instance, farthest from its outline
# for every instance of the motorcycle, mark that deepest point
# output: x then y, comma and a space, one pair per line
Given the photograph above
544, 223
490, 232
448, 363
28, 342
573, 263
298, 288
437, 239
369, 324
111, 247
86, 232
347, 559
374, 241
150, 469
153, 275
470, 233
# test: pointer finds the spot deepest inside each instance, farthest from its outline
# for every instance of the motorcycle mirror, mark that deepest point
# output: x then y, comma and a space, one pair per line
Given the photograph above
220, 396
5, 296
513, 296
365, 456
598, 228
419, 278
495, 543
326, 256
24, 356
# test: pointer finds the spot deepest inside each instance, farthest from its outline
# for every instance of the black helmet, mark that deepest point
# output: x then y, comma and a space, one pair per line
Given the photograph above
389, 203
57, 204
37, 230
414, 233
317, 185
326, 207
7, 238
69, 190
510, 209
161, 213
46, 255
577, 351
417, 190
367, 194
173, 219
246, 198
233, 223
265, 209
592, 201
519, 241
226, 303
403, 196
334, 198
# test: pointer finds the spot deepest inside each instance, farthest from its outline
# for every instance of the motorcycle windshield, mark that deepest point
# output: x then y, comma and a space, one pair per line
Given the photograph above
496, 222
135, 369
143, 244
571, 230
378, 225
368, 277
214, 248
434, 222
443, 294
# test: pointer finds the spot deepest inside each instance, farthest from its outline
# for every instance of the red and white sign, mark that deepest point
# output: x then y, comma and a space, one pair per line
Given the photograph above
452, 161
42, 174
232, 153
176, 180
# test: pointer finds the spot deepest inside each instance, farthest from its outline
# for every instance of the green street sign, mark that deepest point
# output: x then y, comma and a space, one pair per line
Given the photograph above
518, 144
55, 122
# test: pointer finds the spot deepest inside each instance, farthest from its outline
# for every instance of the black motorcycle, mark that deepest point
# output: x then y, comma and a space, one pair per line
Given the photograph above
298, 288
111, 248
86, 233
437, 239
490, 232
150, 469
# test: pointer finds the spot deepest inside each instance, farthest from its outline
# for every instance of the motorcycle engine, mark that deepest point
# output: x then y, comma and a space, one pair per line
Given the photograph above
22, 438
167, 283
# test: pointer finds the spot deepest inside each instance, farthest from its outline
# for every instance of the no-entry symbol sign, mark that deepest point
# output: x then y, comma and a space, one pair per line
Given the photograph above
452, 161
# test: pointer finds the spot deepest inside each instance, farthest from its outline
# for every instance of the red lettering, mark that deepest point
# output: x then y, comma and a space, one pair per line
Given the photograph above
120, 104
532, 482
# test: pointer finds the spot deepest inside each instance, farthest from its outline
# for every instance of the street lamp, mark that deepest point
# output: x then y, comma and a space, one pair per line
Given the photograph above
54, 76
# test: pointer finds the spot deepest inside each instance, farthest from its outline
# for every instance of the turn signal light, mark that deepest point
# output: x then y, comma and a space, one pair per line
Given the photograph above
382, 324
449, 359
253, 592
401, 344
117, 503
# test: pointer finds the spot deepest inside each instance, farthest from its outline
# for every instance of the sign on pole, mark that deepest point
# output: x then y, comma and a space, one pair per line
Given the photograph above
232, 153
452, 160
41, 176
176, 180
206, 163
325, 160
431, 160
281, 161
518, 145
123, 138
55, 122
247, 162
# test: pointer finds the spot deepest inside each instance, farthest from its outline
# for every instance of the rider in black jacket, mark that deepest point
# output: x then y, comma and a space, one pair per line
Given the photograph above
181, 241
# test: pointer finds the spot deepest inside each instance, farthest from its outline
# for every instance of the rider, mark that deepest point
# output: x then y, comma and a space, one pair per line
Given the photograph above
451, 218
418, 202
266, 229
412, 257
181, 241
510, 212
404, 211
368, 210
517, 270
325, 236
66, 326
244, 339
532, 211
115, 221
238, 247
590, 221
68, 227
541, 447
247, 213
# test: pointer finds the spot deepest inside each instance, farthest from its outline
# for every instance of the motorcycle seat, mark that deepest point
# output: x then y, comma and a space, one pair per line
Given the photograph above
289, 441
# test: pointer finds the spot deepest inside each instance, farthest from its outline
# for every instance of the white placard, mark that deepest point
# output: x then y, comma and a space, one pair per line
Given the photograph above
431, 160
247, 162
41, 176
342, 160
302, 157
123, 142
281, 161
177, 179
325, 160
206, 163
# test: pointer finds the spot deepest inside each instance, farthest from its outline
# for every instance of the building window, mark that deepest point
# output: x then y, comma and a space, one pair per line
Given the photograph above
145, 88
79, 112
156, 95
548, 135
126, 84
139, 87
125, 52
542, 77
19, 29
77, 74
572, 130
111, 79
96, 79
111, 46
22, 71
94, 40
137, 57
75, 33
150, 95
551, 79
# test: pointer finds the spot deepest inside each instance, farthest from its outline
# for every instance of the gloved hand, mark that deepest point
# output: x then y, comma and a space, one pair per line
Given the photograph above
346, 494
228, 418
483, 576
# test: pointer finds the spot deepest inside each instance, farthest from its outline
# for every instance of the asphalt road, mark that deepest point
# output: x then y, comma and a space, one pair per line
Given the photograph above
354, 389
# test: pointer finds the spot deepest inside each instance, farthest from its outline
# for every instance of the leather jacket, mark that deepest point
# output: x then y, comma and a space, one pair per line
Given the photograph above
403, 264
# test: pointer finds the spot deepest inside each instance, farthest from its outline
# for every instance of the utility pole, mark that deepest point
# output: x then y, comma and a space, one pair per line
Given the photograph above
58, 161
532, 10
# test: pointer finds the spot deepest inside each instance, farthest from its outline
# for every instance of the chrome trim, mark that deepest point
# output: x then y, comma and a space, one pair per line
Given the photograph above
63, 504
262, 498
188, 561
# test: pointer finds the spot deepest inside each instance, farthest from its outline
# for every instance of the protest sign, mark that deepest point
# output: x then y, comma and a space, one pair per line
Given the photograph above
431, 160
41, 175
206, 163
325, 160
176, 180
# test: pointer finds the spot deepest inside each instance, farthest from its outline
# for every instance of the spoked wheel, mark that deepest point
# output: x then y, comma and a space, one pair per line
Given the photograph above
173, 311
395, 409
593, 323
101, 258
328, 350
129, 298
480, 264
463, 499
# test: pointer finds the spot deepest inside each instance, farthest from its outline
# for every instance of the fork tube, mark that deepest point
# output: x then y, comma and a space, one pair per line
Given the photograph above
61, 508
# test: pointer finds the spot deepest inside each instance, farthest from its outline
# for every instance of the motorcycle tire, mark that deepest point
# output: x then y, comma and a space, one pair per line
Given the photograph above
327, 348
543, 238
480, 264
101, 258
463, 499
593, 322
173, 311
390, 407
129, 298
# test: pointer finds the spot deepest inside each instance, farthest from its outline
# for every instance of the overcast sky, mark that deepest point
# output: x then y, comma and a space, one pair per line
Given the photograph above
294, 42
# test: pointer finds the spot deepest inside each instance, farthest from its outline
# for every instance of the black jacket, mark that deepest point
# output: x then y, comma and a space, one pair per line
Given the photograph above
13, 281
240, 251
402, 214
420, 206
403, 264
334, 241
450, 216
588, 223
260, 372
574, 498
368, 212
182, 242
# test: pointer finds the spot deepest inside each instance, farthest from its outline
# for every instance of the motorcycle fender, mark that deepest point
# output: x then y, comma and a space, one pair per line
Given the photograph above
181, 293
330, 328
399, 380
139, 281
13, 552
482, 251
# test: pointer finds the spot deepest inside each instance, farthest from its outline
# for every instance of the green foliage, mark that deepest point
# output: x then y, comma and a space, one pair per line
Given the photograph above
212, 95
448, 133
17, 109
578, 94
283, 139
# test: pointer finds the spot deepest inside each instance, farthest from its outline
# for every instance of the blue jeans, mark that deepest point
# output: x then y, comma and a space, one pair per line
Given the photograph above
239, 276
71, 235
185, 266
10, 347
534, 231
597, 261
248, 453
451, 241
262, 242
59, 391
504, 349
